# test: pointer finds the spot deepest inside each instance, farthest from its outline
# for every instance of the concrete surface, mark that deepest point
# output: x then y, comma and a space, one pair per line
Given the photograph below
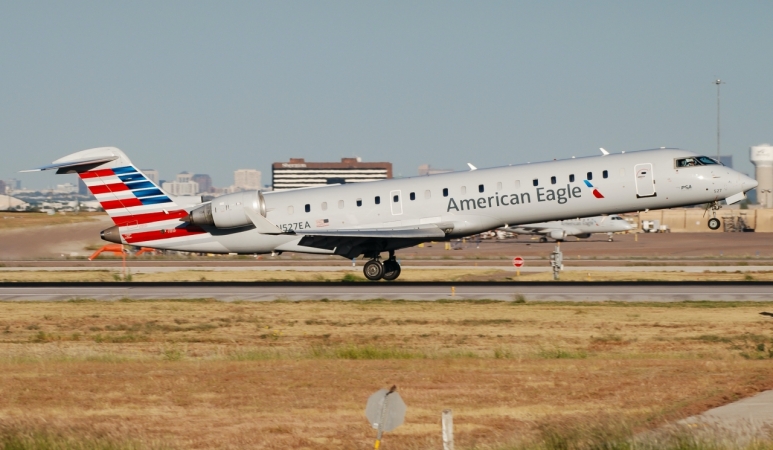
420, 291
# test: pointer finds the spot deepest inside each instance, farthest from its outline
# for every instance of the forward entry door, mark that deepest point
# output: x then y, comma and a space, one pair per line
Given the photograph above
645, 180
396, 201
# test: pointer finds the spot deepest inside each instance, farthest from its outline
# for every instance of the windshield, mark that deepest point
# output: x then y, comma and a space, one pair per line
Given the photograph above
696, 161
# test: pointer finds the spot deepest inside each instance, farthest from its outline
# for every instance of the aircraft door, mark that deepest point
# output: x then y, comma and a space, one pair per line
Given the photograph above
396, 202
645, 181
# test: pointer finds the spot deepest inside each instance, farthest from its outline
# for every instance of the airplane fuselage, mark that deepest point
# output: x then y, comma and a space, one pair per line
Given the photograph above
484, 199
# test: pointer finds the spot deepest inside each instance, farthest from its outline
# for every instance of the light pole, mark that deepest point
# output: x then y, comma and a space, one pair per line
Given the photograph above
718, 82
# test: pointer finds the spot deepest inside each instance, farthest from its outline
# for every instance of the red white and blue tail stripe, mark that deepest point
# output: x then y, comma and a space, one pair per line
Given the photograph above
142, 211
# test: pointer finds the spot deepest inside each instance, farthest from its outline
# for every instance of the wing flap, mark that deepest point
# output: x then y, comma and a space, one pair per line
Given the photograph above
379, 233
353, 242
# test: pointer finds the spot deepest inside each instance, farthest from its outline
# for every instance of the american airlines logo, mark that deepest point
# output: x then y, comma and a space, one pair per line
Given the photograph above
561, 196
596, 192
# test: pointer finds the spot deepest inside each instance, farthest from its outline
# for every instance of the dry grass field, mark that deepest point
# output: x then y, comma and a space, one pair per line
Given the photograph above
408, 274
204, 374
11, 220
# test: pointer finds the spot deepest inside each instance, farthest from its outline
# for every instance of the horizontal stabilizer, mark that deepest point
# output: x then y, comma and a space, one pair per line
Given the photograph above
80, 165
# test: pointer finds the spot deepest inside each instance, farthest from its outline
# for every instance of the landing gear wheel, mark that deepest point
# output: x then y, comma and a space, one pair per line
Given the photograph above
373, 270
391, 270
714, 223
543, 239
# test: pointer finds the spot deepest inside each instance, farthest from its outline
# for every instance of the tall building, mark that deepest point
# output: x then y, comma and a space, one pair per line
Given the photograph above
246, 180
182, 185
2, 187
204, 181
152, 175
82, 188
297, 173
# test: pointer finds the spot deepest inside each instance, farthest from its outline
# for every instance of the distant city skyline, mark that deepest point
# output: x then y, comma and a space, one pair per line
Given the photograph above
210, 88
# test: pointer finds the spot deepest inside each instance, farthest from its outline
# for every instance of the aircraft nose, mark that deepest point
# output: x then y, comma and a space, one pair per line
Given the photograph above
748, 183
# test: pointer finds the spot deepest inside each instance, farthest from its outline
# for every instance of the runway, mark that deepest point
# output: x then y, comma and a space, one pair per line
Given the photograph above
560, 291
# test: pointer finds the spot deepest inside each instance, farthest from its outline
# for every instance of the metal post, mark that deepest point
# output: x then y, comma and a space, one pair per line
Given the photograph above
718, 82
377, 444
447, 420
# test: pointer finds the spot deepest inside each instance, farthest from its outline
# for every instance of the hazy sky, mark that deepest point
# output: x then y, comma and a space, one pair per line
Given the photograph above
216, 86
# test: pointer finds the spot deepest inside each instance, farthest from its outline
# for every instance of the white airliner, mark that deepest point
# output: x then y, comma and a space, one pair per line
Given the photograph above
581, 227
383, 216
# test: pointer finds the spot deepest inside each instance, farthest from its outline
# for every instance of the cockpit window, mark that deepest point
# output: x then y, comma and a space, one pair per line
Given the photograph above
617, 218
707, 161
696, 161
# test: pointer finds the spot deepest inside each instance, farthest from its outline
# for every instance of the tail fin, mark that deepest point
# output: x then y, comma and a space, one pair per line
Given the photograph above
125, 193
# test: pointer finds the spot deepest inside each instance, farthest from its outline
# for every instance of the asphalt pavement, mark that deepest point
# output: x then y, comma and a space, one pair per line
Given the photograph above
561, 291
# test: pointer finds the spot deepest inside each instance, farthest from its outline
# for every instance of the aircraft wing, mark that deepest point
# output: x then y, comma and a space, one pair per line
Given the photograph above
350, 241
528, 229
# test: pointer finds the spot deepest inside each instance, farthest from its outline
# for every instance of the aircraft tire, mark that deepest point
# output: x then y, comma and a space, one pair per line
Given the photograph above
373, 270
543, 239
391, 270
714, 223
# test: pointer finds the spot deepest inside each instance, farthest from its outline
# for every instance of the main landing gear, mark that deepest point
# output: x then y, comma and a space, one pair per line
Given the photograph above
375, 270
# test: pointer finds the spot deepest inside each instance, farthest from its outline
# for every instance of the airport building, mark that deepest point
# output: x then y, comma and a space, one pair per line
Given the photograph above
297, 173
426, 169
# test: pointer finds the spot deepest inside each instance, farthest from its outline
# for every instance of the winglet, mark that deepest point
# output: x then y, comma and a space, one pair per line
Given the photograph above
472, 167
604, 152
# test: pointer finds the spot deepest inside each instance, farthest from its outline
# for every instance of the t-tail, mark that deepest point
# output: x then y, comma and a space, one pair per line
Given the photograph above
141, 210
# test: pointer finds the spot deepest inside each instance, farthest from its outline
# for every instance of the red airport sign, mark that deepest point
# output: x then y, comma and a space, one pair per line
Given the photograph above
518, 262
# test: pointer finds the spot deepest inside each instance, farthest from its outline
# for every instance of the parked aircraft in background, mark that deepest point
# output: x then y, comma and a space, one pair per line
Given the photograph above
581, 228
384, 216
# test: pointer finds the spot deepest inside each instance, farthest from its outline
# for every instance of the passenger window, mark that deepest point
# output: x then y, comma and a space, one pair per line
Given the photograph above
499, 185
464, 190
553, 180
413, 196
427, 194
359, 202
340, 204
308, 207
605, 174
396, 198
535, 182
571, 178
517, 184
445, 192
324, 206
480, 188
378, 200
290, 209
590, 176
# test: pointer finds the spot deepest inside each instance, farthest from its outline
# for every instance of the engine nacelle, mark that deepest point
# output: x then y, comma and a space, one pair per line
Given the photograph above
558, 235
228, 211
582, 235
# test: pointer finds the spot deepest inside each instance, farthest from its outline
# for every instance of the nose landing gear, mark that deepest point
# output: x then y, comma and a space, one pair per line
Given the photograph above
714, 222
375, 270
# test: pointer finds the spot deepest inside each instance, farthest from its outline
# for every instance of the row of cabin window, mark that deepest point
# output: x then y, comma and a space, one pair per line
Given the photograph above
589, 175
428, 194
